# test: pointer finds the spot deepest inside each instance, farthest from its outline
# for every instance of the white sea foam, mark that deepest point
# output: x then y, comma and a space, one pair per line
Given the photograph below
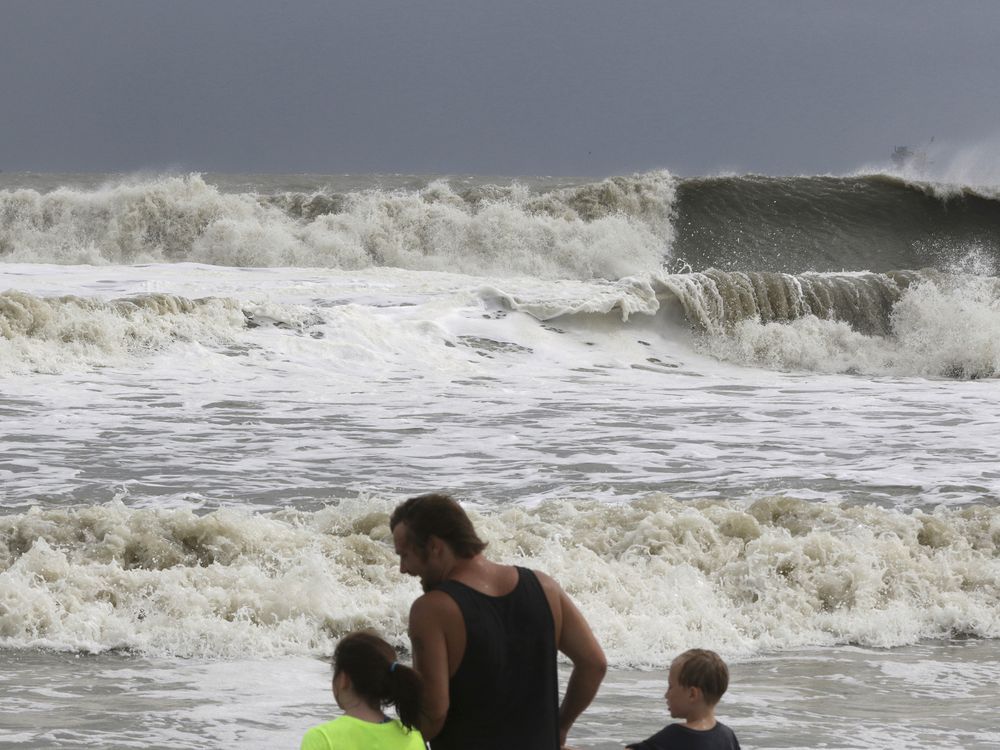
626, 297
654, 575
948, 169
56, 334
608, 230
942, 327
955, 169
395, 375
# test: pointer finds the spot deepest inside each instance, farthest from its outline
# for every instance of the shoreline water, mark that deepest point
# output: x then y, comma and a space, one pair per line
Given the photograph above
931, 694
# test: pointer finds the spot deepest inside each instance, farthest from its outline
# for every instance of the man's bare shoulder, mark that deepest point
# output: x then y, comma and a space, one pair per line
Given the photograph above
553, 593
433, 606
549, 584
430, 600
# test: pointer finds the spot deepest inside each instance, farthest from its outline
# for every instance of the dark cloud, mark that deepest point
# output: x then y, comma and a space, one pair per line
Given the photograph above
575, 87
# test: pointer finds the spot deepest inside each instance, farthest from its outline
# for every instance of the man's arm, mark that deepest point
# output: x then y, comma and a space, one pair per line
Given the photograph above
575, 639
430, 659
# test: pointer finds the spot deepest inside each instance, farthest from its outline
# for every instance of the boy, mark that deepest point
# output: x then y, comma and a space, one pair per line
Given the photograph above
696, 682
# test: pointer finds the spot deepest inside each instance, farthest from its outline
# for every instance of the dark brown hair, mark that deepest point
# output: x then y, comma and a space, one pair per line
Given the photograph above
377, 677
706, 671
438, 515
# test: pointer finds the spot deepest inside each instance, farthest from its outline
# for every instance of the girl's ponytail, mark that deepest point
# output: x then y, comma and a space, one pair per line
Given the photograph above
377, 677
405, 693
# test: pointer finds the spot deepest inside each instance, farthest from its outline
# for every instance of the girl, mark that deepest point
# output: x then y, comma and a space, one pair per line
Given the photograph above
366, 678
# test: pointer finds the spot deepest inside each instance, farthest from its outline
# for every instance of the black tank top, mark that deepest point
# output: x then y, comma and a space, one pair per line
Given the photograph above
505, 694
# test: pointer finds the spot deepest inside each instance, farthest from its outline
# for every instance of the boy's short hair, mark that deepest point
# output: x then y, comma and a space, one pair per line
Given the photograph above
704, 670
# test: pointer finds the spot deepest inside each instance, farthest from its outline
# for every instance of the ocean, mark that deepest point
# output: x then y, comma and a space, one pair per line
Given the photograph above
755, 414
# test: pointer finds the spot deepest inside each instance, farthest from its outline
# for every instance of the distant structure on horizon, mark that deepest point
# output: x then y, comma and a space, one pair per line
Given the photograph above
906, 157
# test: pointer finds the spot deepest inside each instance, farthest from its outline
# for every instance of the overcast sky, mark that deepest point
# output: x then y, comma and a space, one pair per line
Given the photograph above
501, 87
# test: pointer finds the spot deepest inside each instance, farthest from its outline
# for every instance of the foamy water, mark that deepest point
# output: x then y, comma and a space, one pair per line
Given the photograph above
654, 575
204, 431
846, 697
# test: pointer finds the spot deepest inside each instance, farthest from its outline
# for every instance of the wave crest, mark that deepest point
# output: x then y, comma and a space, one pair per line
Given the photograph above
610, 229
938, 326
49, 334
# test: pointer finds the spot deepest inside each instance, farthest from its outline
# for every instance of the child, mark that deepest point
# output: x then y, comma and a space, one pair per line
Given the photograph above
697, 680
367, 677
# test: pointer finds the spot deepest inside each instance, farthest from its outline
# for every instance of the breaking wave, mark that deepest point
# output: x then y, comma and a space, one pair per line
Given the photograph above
607, 229
614, 228
869, 222
902, 323
653, 576
51, 334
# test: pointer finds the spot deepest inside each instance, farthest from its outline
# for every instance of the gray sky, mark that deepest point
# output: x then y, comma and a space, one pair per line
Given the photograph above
502, 87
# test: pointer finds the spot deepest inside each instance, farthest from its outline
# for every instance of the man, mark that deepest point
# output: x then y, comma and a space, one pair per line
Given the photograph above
485, 636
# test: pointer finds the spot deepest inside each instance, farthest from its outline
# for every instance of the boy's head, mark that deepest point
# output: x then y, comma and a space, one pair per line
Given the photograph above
697, 680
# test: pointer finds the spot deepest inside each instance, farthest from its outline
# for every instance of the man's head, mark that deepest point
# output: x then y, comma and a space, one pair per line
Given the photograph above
697, 678
426, 527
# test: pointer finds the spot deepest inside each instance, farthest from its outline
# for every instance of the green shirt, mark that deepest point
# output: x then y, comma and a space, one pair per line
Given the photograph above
348, 733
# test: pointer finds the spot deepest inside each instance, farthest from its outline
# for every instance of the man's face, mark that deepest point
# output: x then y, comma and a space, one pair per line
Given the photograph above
412, 560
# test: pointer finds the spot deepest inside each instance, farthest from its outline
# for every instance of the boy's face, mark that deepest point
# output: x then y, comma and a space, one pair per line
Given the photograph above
680, 699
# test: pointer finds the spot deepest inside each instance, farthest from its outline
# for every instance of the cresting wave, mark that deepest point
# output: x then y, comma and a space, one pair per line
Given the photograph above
49, 334
869, 222
907, 323
653, 576
714, 301
902, 323
609, 229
